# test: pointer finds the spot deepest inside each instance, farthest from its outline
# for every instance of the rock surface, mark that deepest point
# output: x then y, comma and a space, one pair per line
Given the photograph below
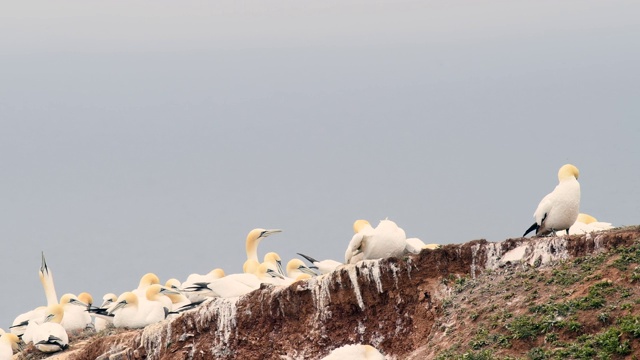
397, 305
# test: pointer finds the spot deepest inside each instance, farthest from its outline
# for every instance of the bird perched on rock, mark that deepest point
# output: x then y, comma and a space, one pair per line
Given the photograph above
559, 209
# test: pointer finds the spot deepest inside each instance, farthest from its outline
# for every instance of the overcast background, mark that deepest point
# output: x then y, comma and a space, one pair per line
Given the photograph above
154, 135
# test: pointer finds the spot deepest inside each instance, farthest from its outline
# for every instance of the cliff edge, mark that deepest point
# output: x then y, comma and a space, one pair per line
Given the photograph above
522, 297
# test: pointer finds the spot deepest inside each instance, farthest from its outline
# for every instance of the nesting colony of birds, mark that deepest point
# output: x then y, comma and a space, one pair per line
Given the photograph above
48, 327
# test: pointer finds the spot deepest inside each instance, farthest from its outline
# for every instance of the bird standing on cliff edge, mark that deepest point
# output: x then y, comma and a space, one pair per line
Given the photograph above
559, 209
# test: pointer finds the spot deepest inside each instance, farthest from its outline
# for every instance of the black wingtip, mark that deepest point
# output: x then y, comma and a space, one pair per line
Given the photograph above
309, 258
530, 229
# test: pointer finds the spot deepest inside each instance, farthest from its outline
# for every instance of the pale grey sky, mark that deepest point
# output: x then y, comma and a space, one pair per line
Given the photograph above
154, 135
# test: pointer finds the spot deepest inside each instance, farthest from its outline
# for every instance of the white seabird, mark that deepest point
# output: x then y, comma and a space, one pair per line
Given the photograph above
101, 322
130, 313
355, 352
146, 280
19, 324
235, 285
297, 270
49, 336
253, 239
274, 262
559, 209
8, 344
585, 224
361, 228
196, 285
324, 266
386, 240
75, 316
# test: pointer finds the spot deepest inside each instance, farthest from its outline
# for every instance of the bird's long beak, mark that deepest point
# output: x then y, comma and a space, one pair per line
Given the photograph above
78, 302
43, 267
167, 291
306, 270
274, 274
119, 305
279, 266
269, 232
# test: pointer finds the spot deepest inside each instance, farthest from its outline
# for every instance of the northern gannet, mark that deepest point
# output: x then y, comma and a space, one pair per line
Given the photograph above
49, 336
8, 344
361, 228
355, 352
559, 209
19, 324
196, 285
76, 316
386, 240
173, 283
145, 281
274, 262
235, 285
324, 266
130, 313
100, 322
585, 224
46, 278
295, 268
253, 239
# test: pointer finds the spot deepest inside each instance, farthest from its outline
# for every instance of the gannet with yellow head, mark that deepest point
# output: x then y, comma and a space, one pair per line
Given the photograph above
49, 336
8, 344
76, 316
559, 209
386, 240
253, 239
585, 224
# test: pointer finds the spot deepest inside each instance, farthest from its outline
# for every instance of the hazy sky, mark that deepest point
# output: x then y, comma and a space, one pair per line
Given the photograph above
154, 135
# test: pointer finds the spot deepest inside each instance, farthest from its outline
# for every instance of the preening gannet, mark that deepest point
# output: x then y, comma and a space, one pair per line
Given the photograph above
253, 239
49, 336
324, 266
361, 228
8, 344
130, 313
559, 209
386, 240
585, 224
355, 352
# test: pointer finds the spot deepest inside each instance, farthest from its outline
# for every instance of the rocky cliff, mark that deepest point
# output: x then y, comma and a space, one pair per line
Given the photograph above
528, 298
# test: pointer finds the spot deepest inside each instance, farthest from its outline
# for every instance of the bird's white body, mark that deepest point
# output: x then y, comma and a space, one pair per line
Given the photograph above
361, 228
75, 315
586, 224
234, 285
129, 313
559, 209
386, 240
41, 333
